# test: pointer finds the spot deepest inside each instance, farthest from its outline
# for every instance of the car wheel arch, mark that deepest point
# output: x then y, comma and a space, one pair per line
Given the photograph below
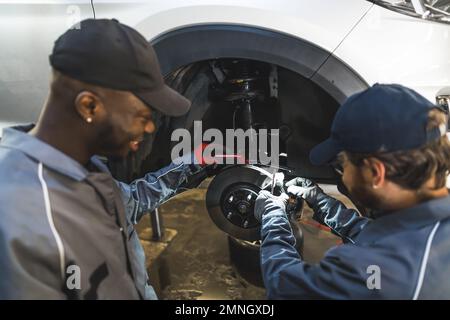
186, 45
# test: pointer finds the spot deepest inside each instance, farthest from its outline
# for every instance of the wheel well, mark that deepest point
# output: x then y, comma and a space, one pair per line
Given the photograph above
187, 45
319, 80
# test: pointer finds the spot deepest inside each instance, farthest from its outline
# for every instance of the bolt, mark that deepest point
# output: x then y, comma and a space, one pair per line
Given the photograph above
242, 208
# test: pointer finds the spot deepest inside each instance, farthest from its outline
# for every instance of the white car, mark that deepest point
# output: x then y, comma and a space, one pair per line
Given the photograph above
284, 64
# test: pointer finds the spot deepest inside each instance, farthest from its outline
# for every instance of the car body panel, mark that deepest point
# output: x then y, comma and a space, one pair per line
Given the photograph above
376, 43
414, 52
27, 34
28, 30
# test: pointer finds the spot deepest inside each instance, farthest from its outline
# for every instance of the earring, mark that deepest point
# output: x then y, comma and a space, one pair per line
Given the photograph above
89, 120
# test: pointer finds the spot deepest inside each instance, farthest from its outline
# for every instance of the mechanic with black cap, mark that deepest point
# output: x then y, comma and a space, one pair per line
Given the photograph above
66, 227
395, 157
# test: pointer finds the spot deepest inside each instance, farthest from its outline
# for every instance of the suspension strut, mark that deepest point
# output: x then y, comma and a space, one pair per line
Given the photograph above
245, 85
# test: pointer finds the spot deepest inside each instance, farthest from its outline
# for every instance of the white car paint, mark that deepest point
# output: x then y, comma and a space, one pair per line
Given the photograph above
389, 47
380, 45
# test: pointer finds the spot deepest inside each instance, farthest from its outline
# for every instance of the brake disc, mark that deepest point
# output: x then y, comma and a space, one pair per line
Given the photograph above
230, 200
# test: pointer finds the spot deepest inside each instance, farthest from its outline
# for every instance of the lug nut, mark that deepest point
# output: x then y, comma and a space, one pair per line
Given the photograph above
249, 197
230, 199
229, 215
245, 224
242, 208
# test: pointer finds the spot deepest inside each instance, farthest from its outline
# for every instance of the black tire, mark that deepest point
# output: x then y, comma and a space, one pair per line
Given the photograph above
244, 256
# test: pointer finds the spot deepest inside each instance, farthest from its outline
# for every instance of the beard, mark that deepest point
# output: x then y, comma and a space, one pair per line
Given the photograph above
364, 196
111, 146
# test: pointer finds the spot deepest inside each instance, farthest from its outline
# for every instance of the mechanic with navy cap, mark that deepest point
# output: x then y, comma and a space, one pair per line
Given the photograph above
66, 227
395, 156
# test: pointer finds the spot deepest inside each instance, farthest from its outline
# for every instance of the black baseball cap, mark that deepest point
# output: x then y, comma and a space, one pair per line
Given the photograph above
382, 118
110, 54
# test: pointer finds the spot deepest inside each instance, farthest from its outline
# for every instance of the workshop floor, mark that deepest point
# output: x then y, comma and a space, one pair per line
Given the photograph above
193, 261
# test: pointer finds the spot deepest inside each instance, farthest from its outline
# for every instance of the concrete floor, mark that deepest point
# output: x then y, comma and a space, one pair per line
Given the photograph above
193, 260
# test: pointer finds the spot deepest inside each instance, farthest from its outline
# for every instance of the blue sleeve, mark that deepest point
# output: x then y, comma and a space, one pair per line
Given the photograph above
346, 223
147, 193
287, 276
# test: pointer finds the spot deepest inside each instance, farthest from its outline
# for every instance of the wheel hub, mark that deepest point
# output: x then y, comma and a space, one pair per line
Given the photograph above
230, 200
238, 203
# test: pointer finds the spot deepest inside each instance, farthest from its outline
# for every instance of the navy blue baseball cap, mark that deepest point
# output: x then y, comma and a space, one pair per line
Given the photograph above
383, 118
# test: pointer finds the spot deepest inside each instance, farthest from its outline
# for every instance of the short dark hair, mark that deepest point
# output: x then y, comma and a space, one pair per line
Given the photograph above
410, 169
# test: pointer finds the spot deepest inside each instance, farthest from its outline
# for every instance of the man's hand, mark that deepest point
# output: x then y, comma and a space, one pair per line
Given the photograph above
266, 202
277, 184
304, 188
212, 164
